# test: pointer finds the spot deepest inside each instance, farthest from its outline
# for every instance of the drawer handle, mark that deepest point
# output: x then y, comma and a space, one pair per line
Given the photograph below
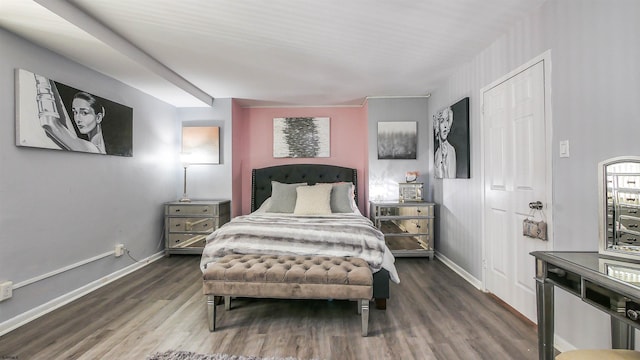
205, 210
419, 211
177, 210
631, 199
632, 182
633, 225
634, 211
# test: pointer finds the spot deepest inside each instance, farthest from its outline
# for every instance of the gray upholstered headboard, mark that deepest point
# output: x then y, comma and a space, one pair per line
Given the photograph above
294, 173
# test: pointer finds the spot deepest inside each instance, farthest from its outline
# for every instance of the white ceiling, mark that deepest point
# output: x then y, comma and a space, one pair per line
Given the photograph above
275, 52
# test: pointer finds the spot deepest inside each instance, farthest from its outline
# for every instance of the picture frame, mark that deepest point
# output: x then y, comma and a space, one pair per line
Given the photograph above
301, 137
52, 115
451, 148
397, 140
201, 144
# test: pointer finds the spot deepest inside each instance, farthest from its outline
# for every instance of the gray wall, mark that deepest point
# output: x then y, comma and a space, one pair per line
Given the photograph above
595, 82
384, 174
210, 181
59, 208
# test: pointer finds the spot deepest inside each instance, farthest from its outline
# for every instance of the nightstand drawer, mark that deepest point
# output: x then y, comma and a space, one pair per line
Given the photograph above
196, 224
210, 210
187, 240
415, 226
187, 224
416, 211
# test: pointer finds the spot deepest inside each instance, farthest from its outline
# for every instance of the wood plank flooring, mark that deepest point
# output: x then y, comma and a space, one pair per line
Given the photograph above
432, 314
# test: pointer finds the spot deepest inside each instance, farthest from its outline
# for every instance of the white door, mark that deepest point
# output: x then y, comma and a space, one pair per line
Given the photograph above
515, 174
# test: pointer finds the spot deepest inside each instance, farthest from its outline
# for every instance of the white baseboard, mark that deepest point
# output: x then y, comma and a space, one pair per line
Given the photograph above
58, 302
460, 271
561, 344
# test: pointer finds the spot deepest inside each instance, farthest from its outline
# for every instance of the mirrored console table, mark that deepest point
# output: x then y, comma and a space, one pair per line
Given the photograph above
609, 284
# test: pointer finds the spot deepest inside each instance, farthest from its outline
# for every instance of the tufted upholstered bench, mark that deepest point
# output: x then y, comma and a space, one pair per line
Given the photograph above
288, 277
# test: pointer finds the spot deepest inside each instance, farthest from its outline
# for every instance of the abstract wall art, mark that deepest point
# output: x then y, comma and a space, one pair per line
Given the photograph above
301, 137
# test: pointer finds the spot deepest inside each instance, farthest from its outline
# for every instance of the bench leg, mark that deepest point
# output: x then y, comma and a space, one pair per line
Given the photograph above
364, 308
227, 303
211, 312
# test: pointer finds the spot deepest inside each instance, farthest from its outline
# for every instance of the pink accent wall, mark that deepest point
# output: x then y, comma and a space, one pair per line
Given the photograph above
253, 145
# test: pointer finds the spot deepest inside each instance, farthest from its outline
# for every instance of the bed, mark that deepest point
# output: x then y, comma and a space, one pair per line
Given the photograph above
268, 184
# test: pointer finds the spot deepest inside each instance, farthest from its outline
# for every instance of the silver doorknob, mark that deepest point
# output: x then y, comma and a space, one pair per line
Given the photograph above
536, 205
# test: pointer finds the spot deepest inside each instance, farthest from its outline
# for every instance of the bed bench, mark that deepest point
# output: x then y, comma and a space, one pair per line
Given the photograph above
288, 277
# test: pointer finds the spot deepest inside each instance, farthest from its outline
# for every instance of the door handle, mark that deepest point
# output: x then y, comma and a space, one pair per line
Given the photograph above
536, 205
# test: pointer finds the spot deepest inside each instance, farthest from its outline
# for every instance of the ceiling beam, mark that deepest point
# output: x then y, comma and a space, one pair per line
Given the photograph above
103, 33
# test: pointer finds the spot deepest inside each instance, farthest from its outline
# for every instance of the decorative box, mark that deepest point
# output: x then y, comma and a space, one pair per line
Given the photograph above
410, 191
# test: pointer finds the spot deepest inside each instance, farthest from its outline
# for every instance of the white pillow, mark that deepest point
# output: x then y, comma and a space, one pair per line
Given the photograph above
313, 200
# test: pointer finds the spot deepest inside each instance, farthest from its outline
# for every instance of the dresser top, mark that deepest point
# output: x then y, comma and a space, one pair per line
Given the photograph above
199, 202
398, 203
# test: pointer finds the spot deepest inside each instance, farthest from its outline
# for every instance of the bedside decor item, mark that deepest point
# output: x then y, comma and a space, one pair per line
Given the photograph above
411, 176
397, 140
51, 115
410, 191
184, 158
301, 137
451, 141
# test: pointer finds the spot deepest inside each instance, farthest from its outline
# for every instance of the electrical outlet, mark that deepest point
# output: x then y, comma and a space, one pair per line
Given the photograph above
119, 250
6, 290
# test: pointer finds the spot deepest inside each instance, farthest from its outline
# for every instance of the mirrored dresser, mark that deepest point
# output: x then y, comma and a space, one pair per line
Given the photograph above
187, 224
407, 226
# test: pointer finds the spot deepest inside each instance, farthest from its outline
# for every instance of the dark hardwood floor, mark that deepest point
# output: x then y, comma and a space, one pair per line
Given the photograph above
432, 314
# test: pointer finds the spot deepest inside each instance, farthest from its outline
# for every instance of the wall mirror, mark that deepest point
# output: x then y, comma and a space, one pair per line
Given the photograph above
619, 196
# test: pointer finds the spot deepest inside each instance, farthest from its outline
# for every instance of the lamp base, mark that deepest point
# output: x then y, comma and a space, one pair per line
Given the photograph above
185, 199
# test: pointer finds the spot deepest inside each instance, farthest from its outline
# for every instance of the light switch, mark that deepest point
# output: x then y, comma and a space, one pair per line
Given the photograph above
564, 148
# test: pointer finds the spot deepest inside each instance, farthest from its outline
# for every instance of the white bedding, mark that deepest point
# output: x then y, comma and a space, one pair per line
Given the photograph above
346, 234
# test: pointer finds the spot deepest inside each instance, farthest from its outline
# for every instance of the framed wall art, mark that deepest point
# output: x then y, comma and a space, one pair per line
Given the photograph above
201, 144
451, 158
52, 115
397, 140
301, 137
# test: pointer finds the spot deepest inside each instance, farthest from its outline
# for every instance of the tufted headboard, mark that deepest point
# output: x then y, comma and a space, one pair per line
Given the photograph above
295, 173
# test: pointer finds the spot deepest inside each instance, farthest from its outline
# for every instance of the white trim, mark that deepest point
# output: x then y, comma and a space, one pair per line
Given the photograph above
561, 344
61, 270
460, 271
545, 58
60, 301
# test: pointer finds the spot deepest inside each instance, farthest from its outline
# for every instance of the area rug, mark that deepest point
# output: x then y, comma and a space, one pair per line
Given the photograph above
188, 355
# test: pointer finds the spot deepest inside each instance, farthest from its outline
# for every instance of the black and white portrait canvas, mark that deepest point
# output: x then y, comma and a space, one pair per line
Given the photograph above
451, 141
397, 140
52, 115
301, 137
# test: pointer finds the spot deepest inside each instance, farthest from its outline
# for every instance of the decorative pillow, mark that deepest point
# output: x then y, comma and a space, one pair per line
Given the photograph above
283, 197
264, 207
313, 200
342, 197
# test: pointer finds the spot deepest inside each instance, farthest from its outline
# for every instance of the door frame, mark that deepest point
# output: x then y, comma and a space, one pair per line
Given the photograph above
545, 58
